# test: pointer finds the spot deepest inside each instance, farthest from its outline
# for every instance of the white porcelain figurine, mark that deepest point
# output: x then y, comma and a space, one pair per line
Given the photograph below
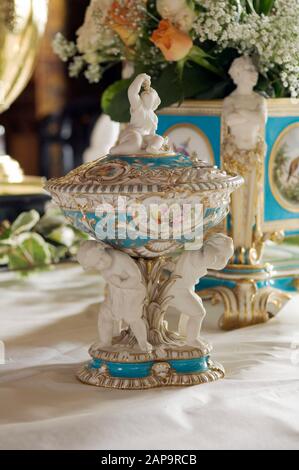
125, 292
140, 135
190, 267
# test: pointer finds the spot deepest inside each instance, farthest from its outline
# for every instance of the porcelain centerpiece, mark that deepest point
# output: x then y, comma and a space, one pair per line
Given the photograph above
148, 211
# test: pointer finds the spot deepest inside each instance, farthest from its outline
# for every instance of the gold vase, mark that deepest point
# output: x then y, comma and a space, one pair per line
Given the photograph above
22, 24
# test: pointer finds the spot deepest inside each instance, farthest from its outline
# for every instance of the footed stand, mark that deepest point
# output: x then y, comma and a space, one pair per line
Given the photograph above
136, 371
146, 353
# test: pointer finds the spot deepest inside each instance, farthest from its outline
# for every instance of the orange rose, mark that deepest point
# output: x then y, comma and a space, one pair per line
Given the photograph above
173, 43
124, 19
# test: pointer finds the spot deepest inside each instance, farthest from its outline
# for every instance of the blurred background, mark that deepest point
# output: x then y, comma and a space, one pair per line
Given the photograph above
48, 127
46, 123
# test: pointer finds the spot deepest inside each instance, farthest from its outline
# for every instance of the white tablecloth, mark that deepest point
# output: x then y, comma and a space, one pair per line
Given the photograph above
47, 323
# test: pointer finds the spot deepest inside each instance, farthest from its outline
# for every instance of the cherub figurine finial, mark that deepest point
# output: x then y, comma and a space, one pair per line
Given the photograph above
140, 135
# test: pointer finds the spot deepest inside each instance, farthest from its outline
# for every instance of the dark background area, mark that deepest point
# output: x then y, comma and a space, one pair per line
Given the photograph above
49, 125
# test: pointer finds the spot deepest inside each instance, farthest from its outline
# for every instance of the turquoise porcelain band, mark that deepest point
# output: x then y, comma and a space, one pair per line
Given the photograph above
211, 218
142, 370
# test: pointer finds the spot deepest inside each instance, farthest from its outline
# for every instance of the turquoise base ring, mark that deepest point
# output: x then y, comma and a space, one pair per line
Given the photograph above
150, 374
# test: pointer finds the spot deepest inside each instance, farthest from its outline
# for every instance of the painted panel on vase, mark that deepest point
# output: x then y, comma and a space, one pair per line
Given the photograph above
193, 134
284, 169
282, 174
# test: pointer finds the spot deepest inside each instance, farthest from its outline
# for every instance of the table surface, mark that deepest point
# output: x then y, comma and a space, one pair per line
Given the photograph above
47, 323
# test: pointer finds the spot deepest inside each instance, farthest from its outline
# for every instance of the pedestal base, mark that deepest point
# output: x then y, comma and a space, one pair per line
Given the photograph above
253, 294
177, 368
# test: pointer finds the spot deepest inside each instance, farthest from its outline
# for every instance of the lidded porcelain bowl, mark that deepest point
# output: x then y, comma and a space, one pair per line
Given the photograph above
168, 181
143, 198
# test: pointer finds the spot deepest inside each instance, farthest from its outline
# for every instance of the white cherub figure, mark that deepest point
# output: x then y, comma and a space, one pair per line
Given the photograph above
125, 295
190, 267
140, 135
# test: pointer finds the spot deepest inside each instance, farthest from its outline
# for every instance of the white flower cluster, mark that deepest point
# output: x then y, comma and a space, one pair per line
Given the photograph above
112, 31
273, 39
94, 35
64, 48
98, 43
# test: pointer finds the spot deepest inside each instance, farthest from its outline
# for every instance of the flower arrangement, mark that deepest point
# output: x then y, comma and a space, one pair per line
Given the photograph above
187, 46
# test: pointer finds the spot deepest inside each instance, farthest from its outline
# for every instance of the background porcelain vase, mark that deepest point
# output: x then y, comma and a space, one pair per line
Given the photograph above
22, 24
264, 272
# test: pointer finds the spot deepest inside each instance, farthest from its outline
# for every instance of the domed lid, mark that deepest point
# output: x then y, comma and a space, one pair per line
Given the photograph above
144, 174
143, 162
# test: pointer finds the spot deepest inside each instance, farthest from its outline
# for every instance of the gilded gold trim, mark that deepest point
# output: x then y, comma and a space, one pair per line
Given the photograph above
195, 108
245, 305
94, 377
277, 107
148, 155
281, 274
177, 353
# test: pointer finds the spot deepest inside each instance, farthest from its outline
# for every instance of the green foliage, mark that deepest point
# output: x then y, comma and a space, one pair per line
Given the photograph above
261, 6
29, 250
25, 222
200, 57
115, 101
31, 242
175, 83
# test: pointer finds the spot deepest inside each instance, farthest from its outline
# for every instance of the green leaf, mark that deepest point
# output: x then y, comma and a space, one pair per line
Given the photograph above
25, 222
47, 224
261, 6
169, 86
31, 251
199, 83
115, 101
200, 57
58, 253
216, 91
63, 236
5, 237
80, 235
